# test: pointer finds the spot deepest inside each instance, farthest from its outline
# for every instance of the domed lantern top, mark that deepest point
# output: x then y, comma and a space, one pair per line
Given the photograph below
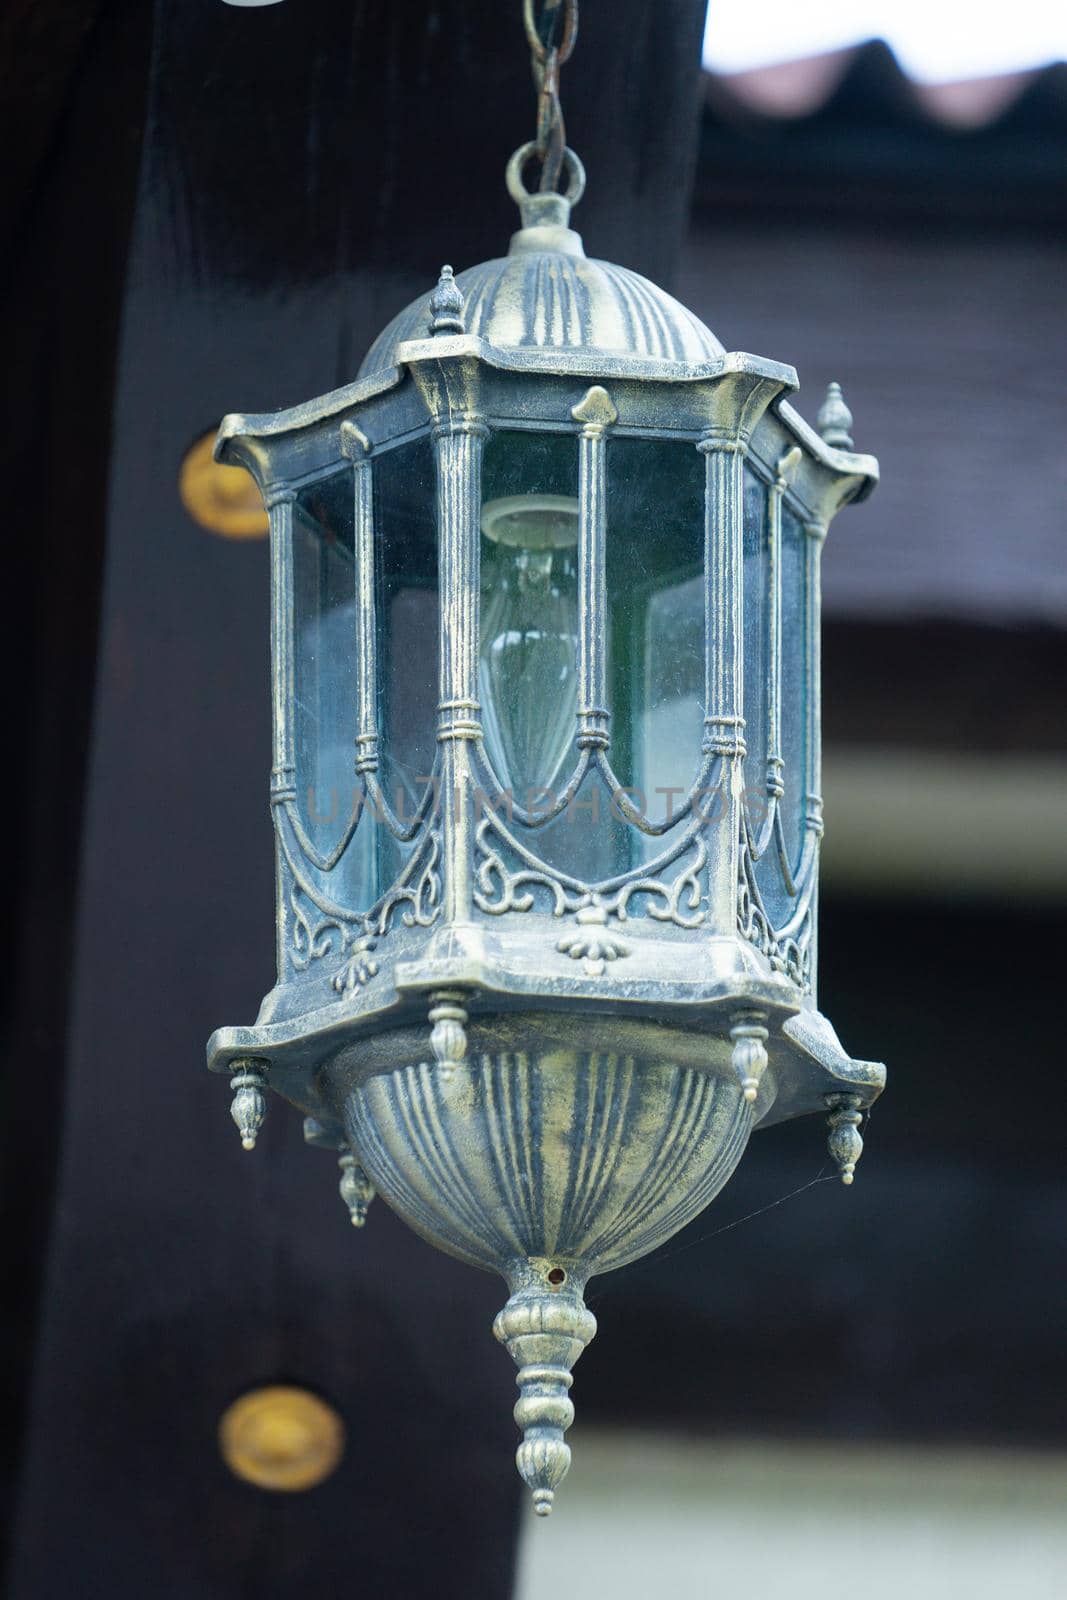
546, 294
546, 777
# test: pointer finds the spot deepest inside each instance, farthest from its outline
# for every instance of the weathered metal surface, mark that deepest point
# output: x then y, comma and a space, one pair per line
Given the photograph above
547, 1074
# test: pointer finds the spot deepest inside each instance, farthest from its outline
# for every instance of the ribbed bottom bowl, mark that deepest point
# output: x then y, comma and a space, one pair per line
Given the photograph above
580, 1159
547, 1164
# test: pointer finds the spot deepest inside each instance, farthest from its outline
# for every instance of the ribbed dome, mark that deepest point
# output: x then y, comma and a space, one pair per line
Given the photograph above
558, 299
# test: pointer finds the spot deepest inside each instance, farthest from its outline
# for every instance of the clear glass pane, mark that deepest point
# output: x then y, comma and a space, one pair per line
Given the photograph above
324, 594
655, 583
756, 601
527, 679
407, 630
671, 725
653, 626
794, 685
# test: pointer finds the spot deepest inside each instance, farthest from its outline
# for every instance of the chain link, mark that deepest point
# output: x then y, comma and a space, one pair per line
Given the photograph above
551, 30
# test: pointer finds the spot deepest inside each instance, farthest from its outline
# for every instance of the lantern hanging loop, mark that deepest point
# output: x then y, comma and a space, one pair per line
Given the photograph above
551, 30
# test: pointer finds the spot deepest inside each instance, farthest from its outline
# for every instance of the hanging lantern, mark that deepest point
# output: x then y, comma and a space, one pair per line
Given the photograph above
545, 658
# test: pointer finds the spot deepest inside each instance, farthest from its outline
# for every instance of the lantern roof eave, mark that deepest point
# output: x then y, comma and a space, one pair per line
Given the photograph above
581, 363
843, 463
591, 361
237, 425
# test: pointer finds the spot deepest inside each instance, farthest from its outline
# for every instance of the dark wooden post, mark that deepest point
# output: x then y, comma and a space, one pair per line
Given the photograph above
306, 168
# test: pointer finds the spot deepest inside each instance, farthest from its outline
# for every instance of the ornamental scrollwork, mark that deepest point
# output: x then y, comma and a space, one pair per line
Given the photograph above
787, 950
320, 928
502, 886
683, 894
418, 889
498, 889
316, 932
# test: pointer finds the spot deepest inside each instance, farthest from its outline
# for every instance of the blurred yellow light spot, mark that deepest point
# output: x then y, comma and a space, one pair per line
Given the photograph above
225, 500
281, 1438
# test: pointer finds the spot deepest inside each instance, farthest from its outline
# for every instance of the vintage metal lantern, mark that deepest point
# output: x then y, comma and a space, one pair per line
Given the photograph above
545, 665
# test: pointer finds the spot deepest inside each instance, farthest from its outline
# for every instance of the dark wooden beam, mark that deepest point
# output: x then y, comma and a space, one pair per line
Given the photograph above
306, 168
73, 103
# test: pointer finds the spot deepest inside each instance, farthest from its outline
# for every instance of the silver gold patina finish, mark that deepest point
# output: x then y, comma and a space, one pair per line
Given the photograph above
545, 1058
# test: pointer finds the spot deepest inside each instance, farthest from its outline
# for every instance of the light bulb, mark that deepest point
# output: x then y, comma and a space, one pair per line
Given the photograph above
527, 675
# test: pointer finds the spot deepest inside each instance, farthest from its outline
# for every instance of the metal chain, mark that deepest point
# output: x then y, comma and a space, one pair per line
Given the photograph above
551, 30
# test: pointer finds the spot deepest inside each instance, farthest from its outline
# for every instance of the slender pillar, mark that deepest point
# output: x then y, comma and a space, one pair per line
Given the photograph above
356, 446
784, 469
280, 508
815, 536
459, 443
279, 501
596, 413
723, 658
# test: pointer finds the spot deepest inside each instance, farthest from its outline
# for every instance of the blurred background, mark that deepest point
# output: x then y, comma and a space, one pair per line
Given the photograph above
212, 207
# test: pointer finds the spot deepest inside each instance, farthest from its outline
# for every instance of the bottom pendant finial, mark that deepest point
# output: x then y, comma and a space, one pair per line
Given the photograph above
249, 1105
844, 1143
448, 1038
545, 1330
749, 1055
355, 1187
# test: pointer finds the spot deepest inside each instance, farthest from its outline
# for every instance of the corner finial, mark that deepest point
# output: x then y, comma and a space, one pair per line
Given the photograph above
835, 419
448, 1038
845, 1144
749, 1055
249, 1105
446, 305
355, 1187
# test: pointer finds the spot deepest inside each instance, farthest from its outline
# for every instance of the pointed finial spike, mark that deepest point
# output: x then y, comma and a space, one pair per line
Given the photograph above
446, 305
834, 421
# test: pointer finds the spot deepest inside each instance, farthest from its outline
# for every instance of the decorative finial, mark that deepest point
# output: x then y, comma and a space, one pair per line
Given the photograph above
446, 305
835, 419
595, 411
545, 1329
356, 1189
749, 1057
844, 1143
249, 1105
449, 1037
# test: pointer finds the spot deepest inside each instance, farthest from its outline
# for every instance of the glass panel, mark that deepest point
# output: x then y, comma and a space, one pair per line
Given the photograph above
407, 625
756, 602
655, 583
671, 715
792, 730
653, 625
794, 686
324, 597
529, 608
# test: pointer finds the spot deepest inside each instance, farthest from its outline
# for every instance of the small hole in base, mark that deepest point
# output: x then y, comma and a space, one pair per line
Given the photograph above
556, 1277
